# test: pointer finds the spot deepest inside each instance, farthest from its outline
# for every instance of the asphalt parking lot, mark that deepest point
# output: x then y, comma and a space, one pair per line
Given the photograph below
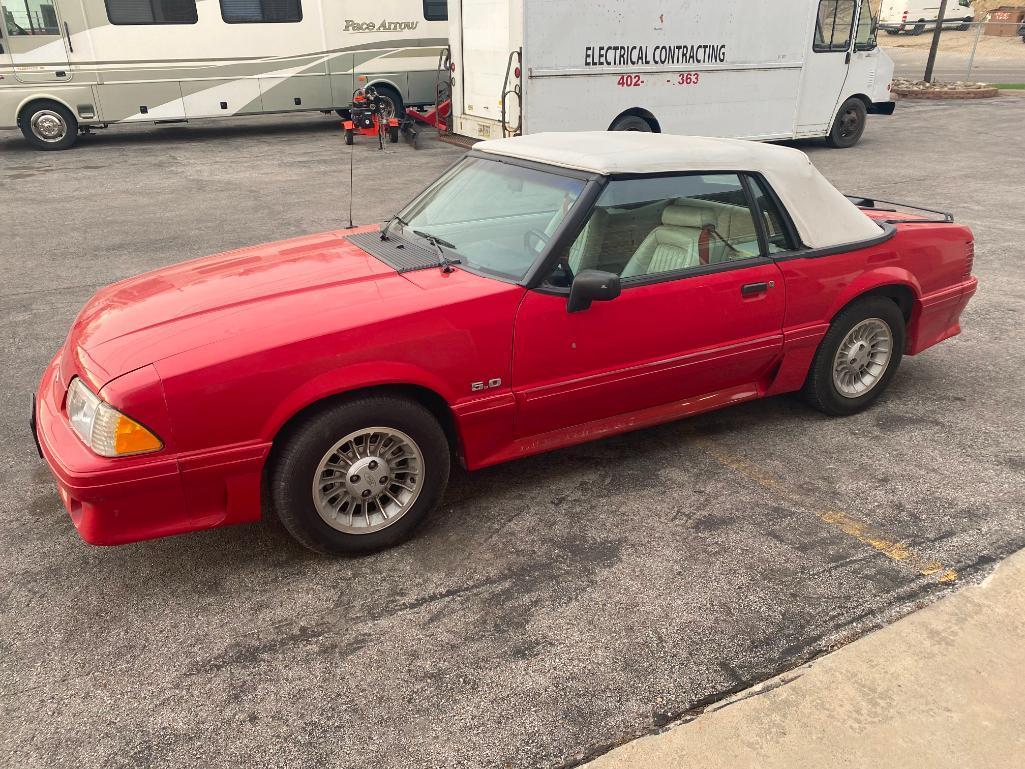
555, 606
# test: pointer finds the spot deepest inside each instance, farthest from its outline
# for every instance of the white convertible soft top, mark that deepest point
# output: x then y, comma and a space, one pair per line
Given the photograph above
824, 217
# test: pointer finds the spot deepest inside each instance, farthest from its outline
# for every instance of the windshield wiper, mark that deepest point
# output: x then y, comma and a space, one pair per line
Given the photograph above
445, 262
387, 224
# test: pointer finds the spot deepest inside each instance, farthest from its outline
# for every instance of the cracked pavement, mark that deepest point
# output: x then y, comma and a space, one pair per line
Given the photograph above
555, 606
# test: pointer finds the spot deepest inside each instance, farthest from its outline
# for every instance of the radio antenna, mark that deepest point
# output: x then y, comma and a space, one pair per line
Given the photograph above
351, 225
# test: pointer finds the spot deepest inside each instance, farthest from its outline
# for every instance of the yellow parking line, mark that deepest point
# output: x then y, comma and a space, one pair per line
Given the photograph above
848, 524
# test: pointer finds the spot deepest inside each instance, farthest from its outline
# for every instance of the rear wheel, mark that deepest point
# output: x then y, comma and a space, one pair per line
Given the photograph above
631, 123
966, 24
48, 125
919, 28
849, 124
348, 136
360, 475
857, 357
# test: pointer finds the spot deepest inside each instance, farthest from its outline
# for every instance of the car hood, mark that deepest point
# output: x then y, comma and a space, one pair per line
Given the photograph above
161, 313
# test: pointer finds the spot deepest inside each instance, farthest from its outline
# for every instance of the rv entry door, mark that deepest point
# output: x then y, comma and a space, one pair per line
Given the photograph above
826, 65
35, 37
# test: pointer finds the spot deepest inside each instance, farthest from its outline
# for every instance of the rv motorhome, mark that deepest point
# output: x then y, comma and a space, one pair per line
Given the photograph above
70, 65
725, 68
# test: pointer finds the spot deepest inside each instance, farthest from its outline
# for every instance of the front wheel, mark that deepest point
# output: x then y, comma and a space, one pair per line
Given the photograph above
857, 358
360, 475
48, 125
849, 124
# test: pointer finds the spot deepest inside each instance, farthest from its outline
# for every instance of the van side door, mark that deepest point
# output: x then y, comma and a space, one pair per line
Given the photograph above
826, 65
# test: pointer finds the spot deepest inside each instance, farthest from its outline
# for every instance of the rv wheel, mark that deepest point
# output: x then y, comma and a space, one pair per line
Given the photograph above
849, 124
48, 125
391, 102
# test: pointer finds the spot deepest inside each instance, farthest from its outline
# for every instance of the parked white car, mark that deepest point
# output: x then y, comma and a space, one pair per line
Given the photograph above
896, 16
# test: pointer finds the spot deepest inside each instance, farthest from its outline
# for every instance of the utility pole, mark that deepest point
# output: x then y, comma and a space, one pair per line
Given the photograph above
935, 42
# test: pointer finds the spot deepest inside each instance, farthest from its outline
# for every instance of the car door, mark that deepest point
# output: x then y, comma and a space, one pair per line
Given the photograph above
699, 313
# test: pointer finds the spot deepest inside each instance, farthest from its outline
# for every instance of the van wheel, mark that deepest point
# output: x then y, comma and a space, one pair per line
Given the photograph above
849, 124
893, 32
631, 123
857, 358
48, 125
360, 475
965, 25
919, 28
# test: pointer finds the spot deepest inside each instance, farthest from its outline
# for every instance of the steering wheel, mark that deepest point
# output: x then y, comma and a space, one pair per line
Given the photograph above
530, 235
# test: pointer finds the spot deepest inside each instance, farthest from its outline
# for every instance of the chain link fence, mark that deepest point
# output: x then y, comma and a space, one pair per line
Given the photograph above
989, 51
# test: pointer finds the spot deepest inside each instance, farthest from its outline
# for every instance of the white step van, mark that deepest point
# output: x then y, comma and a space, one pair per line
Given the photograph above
729, 68
914, 18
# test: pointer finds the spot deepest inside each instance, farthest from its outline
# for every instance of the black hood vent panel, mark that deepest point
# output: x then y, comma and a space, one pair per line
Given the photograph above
400, 255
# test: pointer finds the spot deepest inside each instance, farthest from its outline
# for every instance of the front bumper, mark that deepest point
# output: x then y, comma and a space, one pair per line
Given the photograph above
111, 501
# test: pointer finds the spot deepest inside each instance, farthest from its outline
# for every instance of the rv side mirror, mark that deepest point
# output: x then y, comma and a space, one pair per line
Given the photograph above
592, 286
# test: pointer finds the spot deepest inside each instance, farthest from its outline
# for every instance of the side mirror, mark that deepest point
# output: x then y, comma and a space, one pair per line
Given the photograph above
592, 286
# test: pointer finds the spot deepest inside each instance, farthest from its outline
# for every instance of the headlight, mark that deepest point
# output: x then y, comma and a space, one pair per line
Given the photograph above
103, 428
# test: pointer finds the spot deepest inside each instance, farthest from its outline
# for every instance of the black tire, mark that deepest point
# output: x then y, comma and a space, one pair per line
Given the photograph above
295, 462
348, 136
965, 25
393, 134
631, 123
820, 390
390, 95
849, 124
919, 28
893, 32
48, 111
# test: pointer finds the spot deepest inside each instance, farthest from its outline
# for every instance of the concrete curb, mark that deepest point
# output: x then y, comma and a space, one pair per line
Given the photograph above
948, 93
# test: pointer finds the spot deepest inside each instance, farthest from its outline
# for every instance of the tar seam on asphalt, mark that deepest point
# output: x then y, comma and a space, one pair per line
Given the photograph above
889, 546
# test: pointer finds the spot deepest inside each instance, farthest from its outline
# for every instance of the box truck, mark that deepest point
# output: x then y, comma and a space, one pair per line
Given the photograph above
729, 68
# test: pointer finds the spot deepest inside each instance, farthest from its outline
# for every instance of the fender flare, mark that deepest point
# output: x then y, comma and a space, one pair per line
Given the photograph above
360, 376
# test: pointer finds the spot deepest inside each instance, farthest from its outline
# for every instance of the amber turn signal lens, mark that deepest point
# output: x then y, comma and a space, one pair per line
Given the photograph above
132, 438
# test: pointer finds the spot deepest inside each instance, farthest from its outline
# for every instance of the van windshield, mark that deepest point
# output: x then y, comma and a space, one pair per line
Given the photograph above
494, 217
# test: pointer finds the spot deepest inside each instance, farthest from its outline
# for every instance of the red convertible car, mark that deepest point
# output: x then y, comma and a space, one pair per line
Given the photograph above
545, 291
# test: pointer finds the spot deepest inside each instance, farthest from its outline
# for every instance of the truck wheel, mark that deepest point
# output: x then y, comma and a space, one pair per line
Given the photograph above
849, 124
360, 475
631, 123
857, 357
48, 125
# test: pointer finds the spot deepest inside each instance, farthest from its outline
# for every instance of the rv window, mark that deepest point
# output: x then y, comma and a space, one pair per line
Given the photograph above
865, 40
436, 10
261, 11
31, 17
151, 11
833, 25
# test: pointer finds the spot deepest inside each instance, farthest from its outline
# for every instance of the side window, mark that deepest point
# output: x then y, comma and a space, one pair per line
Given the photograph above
655, 225
865, 39
776, 231
261, 11
833, 25
31, 17
128, 12
436, 10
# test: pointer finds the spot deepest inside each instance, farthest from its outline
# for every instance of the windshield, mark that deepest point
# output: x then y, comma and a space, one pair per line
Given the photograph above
493, 217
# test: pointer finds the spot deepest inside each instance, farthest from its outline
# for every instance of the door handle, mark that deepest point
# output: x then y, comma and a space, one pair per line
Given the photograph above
752, 289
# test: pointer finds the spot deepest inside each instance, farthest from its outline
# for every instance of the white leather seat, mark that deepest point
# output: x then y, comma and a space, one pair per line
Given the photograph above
673, 245
584, 253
